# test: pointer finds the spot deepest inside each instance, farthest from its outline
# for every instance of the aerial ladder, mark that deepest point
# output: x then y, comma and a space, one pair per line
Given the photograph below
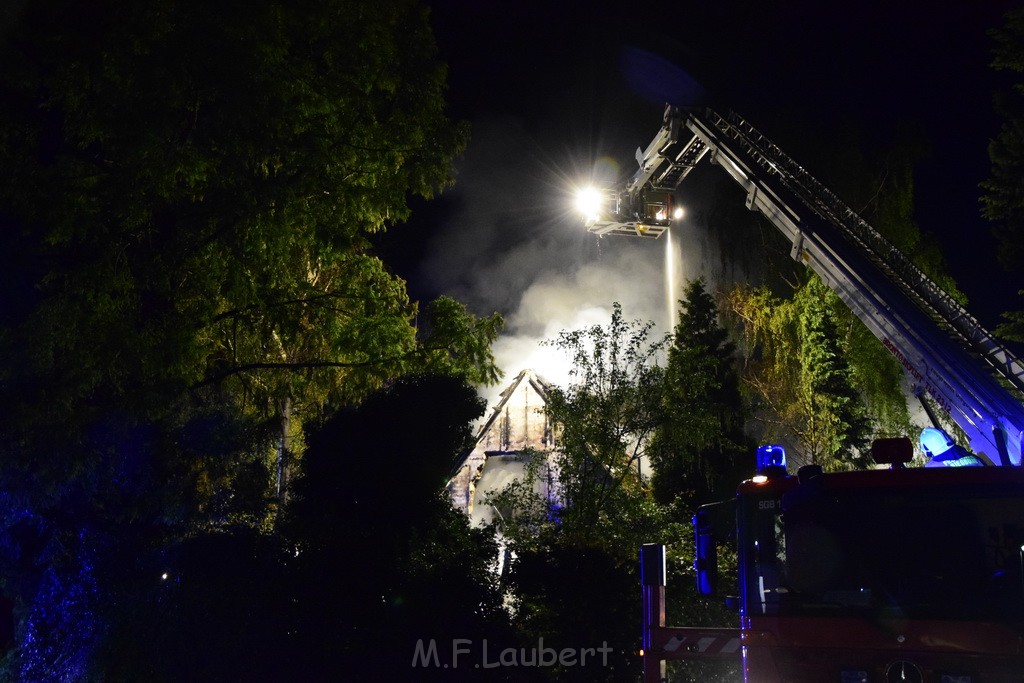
921, 577
947, 354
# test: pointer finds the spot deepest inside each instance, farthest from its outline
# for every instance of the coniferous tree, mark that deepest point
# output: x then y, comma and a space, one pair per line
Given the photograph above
700, 442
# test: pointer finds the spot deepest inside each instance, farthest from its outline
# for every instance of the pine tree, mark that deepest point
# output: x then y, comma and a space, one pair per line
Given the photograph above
699, 443
834, 422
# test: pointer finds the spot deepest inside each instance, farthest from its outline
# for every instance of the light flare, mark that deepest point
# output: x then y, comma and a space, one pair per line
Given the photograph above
589, 203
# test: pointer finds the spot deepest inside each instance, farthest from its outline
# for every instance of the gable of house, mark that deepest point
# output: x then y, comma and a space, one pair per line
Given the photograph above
517, 427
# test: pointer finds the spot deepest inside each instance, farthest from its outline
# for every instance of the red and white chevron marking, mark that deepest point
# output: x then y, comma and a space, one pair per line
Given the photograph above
696, 643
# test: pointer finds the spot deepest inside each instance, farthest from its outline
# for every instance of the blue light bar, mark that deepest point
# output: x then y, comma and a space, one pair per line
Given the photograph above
770, 459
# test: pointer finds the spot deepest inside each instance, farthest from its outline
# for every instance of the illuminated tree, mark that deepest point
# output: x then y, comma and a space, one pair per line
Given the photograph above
798, 369
186, 209
699, 443
605, 419
585, 541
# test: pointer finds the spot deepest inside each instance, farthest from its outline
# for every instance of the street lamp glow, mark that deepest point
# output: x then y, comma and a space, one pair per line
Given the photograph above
677, 213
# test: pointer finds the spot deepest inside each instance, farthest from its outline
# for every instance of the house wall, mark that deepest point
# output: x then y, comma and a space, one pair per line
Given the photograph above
516, 424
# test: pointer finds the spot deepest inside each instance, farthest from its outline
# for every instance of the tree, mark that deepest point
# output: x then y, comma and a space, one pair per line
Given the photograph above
605, 418
1002, 200
877, 180
185, 218
834, 418
381, 556
585, 541
371, 552
191, 191
797, 368
700, 439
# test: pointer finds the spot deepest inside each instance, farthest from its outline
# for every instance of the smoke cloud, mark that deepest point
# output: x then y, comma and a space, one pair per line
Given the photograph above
512, 244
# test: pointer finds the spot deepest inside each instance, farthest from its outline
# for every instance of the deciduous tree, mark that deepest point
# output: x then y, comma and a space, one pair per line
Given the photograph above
188, 196
798, 369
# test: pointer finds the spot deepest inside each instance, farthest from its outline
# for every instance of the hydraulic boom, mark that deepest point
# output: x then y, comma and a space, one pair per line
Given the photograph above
943, 349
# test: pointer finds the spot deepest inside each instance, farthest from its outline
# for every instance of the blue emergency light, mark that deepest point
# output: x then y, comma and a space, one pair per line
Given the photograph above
771, 460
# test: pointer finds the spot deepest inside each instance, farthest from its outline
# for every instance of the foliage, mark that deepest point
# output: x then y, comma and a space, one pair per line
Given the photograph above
777, 323
605, 419
190, 194
797, 367
556, 585
876, 178
382, 557
1012, 326
366, 555
684, 606
185, 220
343, 470
700, 440
585, 543
1002, 200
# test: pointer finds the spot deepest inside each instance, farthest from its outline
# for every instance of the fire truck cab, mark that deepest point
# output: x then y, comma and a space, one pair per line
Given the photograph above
906, 574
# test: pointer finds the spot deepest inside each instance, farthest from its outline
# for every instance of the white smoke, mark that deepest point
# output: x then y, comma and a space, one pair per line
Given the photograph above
513, 245
626, 272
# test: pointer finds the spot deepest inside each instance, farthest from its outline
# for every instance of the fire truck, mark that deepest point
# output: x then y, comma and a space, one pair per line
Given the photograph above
896, 573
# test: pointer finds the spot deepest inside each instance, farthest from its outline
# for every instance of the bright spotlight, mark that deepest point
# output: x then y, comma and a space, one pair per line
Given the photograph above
589, 202
677, 213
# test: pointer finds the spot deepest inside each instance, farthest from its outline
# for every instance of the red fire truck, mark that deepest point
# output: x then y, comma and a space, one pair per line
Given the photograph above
905, 574
892, 574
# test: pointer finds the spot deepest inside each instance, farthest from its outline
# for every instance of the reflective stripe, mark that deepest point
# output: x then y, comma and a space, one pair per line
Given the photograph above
705, 644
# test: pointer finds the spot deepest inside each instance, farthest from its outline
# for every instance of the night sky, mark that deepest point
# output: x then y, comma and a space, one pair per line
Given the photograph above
550, 87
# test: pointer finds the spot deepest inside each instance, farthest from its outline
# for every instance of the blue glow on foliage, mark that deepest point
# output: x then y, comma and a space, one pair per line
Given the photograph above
555, 513
60, 631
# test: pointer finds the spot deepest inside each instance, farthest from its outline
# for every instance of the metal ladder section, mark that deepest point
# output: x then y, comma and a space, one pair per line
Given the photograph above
902, 272
681, 165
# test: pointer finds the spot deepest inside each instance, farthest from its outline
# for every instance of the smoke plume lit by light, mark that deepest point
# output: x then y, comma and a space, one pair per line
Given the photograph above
517, 246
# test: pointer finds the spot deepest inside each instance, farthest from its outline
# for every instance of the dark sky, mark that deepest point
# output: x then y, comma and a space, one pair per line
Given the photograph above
550, 86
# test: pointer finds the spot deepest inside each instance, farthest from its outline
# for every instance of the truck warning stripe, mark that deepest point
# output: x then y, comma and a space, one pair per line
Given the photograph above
697, 643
